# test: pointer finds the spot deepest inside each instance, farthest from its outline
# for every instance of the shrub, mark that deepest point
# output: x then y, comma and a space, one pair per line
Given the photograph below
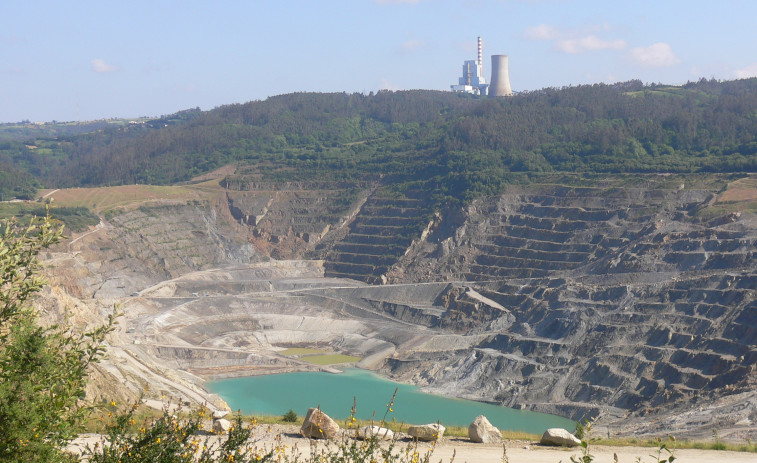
169, 439
43, 370
290, 416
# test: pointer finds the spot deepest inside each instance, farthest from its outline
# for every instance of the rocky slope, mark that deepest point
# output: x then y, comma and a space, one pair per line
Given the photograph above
631, 301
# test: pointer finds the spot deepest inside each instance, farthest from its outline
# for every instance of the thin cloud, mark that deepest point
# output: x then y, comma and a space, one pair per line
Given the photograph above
589, 43
541, 32
657, 55
747, 72
101, 66
575, 41
413, 45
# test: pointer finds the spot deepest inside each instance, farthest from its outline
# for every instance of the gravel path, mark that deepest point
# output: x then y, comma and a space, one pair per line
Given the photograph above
517, 451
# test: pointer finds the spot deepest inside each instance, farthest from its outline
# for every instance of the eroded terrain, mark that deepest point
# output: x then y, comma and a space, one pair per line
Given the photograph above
635, 303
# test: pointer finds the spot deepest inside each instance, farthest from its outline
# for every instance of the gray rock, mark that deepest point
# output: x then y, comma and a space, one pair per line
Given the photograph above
218, 414
367, 432
221, 426
482, 431
318, 425
560, 437
427, 432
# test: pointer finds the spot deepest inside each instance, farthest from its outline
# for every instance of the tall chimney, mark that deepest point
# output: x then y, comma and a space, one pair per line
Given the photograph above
500, 83
480, 57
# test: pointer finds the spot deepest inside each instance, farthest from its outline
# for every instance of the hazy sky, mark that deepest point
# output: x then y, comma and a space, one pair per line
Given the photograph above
80, 60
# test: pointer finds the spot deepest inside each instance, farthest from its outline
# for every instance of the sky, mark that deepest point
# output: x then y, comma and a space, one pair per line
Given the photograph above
82, 60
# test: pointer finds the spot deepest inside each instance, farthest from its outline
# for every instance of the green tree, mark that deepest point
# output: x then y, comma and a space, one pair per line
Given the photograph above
43, 370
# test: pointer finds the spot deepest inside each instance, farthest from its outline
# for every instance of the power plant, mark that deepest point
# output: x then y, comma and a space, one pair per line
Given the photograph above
473, 81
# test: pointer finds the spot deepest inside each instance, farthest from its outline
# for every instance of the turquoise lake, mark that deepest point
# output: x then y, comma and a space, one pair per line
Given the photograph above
276, 394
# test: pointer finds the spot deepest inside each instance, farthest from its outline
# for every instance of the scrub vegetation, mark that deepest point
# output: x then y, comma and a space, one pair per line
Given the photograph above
43, 369
446, 146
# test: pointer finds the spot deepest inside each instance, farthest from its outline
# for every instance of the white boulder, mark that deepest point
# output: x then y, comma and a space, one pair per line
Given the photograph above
221, 426
218, 414
369, 432
427, 432
559, 436
482, 431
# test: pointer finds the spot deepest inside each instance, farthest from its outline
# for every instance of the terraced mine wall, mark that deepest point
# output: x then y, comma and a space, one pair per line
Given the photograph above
616, 301
621, 301
579, 299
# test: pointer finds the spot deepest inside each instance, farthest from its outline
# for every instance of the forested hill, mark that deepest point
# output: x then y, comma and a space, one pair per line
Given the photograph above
455, 145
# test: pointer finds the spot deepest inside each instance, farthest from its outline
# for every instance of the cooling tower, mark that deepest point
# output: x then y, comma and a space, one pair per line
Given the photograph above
500, 83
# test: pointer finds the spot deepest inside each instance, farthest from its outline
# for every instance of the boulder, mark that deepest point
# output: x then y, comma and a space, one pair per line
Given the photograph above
368, 432
318, 425
221, 426
427, 432
482, 431
218, 414
559, 436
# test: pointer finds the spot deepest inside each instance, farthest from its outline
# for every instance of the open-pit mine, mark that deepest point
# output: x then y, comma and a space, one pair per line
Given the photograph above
631, 301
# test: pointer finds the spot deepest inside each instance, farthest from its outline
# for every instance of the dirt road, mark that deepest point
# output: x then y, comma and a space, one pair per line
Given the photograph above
265, 436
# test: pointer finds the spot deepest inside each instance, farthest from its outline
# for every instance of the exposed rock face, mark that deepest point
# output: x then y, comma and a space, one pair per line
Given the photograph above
370, 432
615, 297
318, 425
483, 432
559, 437
427, 432
567, 300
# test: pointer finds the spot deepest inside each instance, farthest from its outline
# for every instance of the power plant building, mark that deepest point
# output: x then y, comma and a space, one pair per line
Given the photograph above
473, 80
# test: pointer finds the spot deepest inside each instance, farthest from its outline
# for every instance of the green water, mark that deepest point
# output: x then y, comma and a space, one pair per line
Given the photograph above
276, 394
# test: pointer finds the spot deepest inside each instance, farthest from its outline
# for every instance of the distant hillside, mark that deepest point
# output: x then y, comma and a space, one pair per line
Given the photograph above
16, 183
452, 146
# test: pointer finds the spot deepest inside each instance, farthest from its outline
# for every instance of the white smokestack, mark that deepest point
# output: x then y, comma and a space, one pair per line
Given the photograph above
481, 56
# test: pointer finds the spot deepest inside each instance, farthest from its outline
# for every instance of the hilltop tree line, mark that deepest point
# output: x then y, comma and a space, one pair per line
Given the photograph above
457, 146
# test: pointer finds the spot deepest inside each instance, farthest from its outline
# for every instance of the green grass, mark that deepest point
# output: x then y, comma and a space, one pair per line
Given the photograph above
747, 446
318, 356
296, 351
330, 359
462, 431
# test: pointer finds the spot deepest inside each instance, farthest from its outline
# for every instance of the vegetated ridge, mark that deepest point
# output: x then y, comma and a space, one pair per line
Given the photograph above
450, 145
497, 275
